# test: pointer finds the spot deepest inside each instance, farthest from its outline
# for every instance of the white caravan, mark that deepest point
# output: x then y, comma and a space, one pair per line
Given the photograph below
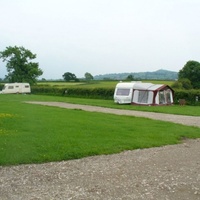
124, 92
143, 94
16, 88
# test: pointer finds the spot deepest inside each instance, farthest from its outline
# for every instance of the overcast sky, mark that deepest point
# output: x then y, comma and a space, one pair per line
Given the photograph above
102, 36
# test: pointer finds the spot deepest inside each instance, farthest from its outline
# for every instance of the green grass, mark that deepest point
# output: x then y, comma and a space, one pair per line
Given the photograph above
91, 84
36, 134
95, 83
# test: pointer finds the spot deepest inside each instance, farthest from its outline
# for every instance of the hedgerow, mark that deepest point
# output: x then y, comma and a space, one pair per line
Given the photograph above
190, 96
101, 93
1, 86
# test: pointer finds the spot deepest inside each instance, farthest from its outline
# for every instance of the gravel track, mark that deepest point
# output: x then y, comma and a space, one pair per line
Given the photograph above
164, 173
180, 119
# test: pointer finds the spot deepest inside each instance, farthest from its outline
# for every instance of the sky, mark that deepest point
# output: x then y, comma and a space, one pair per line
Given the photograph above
102, 36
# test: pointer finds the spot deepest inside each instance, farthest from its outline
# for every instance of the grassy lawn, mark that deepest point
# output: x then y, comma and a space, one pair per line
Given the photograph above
37, 134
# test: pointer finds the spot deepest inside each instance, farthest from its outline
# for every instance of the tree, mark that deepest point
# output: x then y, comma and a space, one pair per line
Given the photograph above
19, 65
191, 71
70, 77
182, 84
88, 76
186, 83
130, 77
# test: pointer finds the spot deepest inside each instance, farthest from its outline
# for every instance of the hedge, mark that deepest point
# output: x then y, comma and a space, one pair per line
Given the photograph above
1, 86
192, 97
100, 93
107, 93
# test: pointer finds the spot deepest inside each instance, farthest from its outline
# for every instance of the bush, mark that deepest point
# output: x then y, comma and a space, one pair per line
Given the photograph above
1, 86
190, 96
182, 84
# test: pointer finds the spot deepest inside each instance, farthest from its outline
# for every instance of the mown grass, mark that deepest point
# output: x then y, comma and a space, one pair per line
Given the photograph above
36, 134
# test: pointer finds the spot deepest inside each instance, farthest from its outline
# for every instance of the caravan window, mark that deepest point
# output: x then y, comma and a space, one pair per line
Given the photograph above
143, 96
162, 99
26, 86
10, 87
123, 92
168, 96
165, 96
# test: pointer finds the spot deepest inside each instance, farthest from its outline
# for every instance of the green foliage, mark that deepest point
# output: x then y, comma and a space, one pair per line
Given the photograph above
182, 84
46, 90
61, 134
96, 83
102, 93
190, 96
1, 86
68, 76
130, 77
88, 76
177, 85
191, 71
20, 66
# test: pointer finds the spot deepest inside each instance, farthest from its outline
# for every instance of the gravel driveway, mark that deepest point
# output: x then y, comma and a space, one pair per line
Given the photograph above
165, 173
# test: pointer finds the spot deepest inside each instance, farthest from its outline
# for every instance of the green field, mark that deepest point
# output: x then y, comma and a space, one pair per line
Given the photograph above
36, 134
101, 84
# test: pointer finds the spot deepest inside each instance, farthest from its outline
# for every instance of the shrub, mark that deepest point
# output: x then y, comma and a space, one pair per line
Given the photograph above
1, 86
191, 96
182, 84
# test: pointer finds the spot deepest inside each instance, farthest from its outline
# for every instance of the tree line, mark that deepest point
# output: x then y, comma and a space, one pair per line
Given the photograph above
68, 76
21, 68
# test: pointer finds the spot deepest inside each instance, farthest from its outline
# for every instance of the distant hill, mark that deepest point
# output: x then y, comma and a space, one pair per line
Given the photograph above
160, 74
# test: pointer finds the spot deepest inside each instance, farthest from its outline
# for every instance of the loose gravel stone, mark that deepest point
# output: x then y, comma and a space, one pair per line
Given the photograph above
169, 172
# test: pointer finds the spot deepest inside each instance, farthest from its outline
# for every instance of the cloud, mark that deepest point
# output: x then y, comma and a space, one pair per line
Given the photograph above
101, 36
